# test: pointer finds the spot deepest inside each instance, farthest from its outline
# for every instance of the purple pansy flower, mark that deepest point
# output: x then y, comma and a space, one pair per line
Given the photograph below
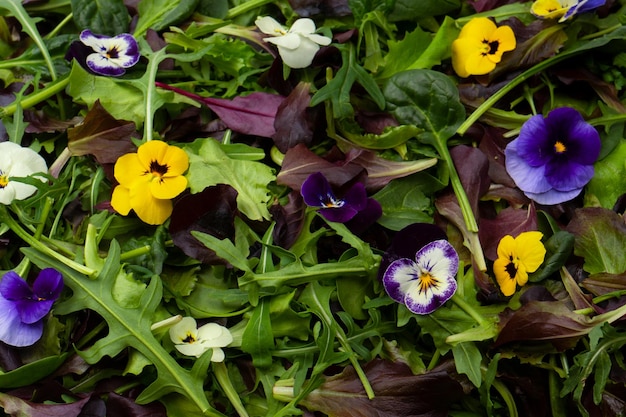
105, 55
552, 159
317, 192
581, 7
23, 308
426, 283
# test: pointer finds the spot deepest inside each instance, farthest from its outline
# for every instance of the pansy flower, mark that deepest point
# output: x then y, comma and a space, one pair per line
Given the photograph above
149, 180
552, 159
297, 45
563, 9
426, 283
105, 55
480, 46
23, 308
193, 341
517, 257
353, 205
17, 161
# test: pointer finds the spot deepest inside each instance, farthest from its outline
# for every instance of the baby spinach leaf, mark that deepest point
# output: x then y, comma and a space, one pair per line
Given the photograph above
258, 339
160, 14
467, 359
106, 17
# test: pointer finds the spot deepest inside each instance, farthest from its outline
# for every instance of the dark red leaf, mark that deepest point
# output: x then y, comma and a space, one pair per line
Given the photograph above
510, 221
289, 220
473, 167
293, 124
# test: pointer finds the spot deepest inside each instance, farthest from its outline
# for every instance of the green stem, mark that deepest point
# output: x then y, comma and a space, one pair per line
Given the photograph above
143, 250
434, 360
246, 7
35, 243
507, 397
463, 305
221, 373
36, 98
58, 27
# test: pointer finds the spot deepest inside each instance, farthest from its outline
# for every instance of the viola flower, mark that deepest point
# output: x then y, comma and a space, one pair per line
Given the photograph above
22, 308
517, 257
193, 341
317, 192
563, 9
149, 180
105, 55
480, 46
17, 161
298, 45
552, 159
428, 282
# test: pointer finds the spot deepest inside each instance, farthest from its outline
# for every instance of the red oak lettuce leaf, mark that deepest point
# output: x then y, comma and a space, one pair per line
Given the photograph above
510, 221
492, 142
101, 135
15, 406
289, 220
600, 284
120, 406
38, 122
293, 124
398, 393
210, 211
473, 167
253, 114
547, 321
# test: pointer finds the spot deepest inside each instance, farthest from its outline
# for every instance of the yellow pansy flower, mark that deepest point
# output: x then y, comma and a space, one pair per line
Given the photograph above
480, 46
517, 257
148, 180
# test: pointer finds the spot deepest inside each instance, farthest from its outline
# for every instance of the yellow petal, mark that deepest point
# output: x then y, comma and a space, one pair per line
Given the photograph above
128, 169
506, 283
149, 209
506, 39
462, 51
120, 200
548, 9
153, 150
506, 247
479, 64
176, 160
479, 28
168, 188
522, 275
529, 250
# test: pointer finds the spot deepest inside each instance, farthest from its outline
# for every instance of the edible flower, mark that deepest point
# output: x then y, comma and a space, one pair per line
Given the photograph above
297, 45
428, 282
17, 161
480, 46
552, 159
105, 55
23, 308
317, 192
193, 341
517, 257
563, 9
148, 181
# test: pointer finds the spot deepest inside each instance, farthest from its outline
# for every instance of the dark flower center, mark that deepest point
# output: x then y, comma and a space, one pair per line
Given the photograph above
189, 338
510, 268
427, 281
158, 169
112, 53
493, 47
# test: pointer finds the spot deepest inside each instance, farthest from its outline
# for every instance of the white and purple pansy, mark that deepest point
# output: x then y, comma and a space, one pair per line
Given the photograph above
105, 55
426, 283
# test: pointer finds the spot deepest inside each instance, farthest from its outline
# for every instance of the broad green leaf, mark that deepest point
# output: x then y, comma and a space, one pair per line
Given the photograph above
607, 184
404, 202
258, 339
600, 240
31, 372
467, 359
160, 14
106, 17
559, 248
210, 165
128, 327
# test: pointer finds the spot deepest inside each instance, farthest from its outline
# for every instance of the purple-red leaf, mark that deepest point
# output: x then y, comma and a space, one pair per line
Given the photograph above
510, 221
293, 124
101, 135
473, 167
289, 220
398, 393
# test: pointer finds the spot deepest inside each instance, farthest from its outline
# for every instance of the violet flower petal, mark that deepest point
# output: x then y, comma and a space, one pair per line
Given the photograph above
112, 54
33, 310
533, 144
356, 197
339, 214
553, 196
527, 178
12, 331
398, 277
565, 175
49, 284
316, 190
13, 287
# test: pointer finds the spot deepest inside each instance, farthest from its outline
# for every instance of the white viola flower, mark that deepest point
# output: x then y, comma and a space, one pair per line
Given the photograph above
193, 341
112, 55
298, 45
18, 161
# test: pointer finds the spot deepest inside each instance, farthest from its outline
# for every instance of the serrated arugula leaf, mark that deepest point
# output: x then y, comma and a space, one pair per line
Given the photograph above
129, 327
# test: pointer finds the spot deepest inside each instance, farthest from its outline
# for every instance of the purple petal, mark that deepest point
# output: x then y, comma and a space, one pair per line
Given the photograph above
339, 214
12, 331
49, 284
534, 144
583, 143
527, 178
316, 190
553, 196
32, 310
13, 287
566, 175
399, 277
365, 217
356, 197
103, 66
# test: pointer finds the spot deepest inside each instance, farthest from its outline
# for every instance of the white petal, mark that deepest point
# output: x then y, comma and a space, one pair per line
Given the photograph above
218, 355
7, 194
319, 39
300, 57
192, 349
289, 41
269, 26
181, 330
440, 259
303, 26
215, 335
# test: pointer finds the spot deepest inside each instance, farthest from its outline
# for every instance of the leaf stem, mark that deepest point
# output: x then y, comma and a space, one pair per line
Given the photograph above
221, 373
463, 305
246, 7
36, 98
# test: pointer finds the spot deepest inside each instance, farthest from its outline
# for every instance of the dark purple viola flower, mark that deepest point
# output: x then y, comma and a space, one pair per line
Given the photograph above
105, 55
582, 6
426, 283
23, 308
317, 192
552, 159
